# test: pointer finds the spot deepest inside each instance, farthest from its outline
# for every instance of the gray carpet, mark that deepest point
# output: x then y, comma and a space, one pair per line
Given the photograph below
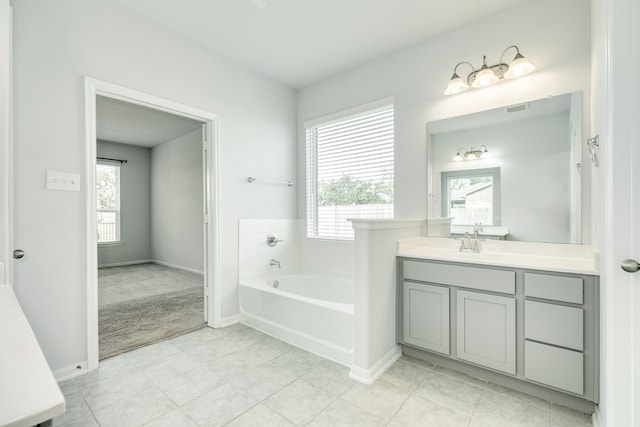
124, 325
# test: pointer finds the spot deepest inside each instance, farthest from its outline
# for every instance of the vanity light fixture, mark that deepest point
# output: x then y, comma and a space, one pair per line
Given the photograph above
471, 154
488, 75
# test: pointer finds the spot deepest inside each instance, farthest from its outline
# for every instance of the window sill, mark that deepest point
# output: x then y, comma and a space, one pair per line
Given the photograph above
107, 244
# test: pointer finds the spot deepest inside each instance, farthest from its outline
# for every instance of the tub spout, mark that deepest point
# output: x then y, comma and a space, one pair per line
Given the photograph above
274, 262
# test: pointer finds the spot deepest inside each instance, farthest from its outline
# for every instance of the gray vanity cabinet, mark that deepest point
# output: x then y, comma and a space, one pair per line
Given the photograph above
426, 316
554, 330
486, 330
532, 330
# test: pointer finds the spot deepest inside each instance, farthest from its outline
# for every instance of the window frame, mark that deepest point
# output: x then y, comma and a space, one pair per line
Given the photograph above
473, 173
311, 163
118, 211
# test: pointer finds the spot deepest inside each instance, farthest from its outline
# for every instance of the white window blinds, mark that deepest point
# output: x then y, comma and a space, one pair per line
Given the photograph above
108, 203
349, 172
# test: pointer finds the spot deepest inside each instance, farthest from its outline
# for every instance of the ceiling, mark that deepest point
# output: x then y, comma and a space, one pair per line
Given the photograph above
299, 42
296, 42
119, 121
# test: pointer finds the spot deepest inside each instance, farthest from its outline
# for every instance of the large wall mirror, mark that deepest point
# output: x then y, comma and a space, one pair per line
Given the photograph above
516, 170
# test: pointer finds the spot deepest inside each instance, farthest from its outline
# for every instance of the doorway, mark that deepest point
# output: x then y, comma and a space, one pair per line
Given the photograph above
95, 91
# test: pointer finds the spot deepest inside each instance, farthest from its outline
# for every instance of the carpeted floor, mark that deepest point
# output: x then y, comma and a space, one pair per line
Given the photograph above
145, 303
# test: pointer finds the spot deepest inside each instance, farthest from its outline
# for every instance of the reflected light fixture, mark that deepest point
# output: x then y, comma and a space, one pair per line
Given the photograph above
471, 154
488, 75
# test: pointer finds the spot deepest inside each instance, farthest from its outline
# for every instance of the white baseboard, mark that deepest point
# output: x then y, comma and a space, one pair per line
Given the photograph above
154, 261
370, 375
177, 267
122, 264
72, 371
227, 321
595, 418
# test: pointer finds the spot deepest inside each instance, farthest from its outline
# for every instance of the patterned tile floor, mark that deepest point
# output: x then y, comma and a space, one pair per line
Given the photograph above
237, 376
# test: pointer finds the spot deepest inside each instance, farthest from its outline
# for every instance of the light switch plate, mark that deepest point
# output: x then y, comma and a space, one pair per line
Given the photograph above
63, 181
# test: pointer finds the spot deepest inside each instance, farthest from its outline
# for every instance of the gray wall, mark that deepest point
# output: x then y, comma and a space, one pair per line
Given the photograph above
135, 203
176, 202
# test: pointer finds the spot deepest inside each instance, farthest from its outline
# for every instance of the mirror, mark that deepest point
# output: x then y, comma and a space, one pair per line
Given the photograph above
516, 170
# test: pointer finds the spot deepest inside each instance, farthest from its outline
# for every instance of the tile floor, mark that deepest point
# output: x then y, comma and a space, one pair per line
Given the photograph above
237, 376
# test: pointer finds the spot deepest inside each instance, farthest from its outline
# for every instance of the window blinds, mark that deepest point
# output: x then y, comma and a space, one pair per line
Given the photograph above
349, 172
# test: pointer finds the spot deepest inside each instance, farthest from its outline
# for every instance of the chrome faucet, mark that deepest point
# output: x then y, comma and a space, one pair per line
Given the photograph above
470, 244
274, 262
477, 228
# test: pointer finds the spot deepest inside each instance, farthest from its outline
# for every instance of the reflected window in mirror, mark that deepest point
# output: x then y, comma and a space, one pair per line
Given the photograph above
472, 196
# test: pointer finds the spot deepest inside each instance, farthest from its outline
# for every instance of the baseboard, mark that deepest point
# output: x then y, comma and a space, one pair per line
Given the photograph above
595, 418
370, 375
227, 321
177, 267
72, 371
122, 264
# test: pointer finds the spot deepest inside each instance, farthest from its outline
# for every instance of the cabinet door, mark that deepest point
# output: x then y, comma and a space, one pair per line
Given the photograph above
486, 328
426, 316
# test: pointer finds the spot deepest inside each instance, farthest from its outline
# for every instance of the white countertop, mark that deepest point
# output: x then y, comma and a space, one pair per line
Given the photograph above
579, 259
29, 393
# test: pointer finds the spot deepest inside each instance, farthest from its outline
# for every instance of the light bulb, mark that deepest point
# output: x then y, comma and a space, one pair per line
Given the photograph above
456, 85
485, 77
519, 67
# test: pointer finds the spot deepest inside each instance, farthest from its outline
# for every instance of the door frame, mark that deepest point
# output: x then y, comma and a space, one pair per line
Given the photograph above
615, 108
95, 87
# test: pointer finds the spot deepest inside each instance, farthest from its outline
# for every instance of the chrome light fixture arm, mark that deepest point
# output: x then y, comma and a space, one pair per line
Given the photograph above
489, 74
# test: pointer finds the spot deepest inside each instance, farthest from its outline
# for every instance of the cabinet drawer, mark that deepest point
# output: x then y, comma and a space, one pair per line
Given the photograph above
461, 275
553, 366
426, 316
559, 288
554, 324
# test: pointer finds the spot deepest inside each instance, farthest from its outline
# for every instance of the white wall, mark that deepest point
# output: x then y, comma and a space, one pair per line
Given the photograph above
553, 35
295, 252
135, 204
177, 236
5, 69
56, 44
533, 157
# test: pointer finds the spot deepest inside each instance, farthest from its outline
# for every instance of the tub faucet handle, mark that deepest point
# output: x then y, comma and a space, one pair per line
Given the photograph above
273, 240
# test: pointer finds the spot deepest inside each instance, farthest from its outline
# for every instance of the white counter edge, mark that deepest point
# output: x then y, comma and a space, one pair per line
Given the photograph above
29, 393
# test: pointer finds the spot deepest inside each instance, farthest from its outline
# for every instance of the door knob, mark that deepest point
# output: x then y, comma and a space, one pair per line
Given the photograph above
18, 253
630, 265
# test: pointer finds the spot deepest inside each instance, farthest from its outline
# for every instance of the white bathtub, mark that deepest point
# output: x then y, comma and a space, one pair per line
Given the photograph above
310, 311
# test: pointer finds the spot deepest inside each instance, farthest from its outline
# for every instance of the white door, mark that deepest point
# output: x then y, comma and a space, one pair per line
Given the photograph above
616, 112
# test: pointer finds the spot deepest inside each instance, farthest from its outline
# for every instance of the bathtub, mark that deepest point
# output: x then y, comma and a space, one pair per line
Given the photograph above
308, 310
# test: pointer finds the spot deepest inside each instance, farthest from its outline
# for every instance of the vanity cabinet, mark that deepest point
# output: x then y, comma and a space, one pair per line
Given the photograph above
426, 316
486, 330
532, 330
554, 331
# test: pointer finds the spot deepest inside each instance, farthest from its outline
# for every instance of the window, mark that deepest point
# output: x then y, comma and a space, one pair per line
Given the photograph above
108, 203
471, 196
349, 171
